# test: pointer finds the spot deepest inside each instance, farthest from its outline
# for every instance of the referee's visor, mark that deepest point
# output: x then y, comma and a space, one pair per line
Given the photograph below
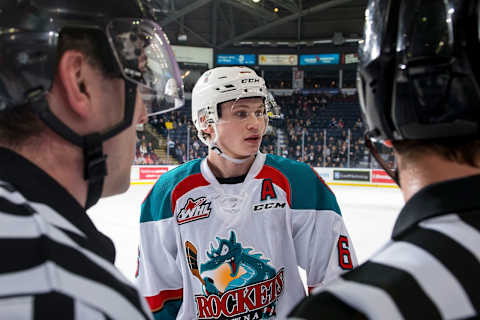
146, 59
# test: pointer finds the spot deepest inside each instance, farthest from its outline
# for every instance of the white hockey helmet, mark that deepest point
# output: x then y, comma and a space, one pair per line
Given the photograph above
223, 84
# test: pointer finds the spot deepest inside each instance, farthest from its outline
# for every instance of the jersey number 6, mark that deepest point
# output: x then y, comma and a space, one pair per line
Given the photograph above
344, 258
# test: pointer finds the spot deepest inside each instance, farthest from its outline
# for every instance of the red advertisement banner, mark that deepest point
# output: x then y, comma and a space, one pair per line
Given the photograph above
151, 173
380, 176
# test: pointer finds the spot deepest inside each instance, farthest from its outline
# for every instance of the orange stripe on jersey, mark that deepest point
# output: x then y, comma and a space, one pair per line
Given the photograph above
156, 302
278, 178
189, 183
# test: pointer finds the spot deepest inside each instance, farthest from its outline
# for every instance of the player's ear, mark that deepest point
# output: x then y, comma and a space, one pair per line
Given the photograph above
209, 130
72, 76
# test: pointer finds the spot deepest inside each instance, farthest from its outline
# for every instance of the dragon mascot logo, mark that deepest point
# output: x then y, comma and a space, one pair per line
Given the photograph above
237, 283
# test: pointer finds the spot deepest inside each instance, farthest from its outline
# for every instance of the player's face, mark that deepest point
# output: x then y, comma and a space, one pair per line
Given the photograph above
121, 148
241, 127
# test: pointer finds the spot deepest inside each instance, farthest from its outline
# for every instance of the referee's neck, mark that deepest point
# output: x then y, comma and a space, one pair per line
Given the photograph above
415, 174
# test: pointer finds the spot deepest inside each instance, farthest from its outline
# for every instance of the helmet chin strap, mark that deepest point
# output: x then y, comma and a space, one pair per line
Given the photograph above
214, 146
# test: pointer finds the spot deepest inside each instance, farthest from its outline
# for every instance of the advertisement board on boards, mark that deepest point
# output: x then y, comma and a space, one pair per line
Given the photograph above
351, 175
380, 176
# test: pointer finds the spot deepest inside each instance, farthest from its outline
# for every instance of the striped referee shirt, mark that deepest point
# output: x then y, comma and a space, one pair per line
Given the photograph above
55, 264
429, 270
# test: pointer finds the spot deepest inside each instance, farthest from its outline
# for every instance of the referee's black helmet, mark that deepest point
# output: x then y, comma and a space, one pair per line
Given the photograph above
29, 34
128, 42
419, 70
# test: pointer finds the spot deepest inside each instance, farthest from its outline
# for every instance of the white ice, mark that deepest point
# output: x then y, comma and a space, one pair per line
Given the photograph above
369, 215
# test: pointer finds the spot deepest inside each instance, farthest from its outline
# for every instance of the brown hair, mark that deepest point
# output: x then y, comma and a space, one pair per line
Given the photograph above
459, 149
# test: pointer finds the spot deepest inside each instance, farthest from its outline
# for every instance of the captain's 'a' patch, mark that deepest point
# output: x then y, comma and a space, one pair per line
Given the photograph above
268, 191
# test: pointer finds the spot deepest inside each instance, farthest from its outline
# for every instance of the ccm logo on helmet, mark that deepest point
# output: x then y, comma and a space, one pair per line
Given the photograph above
250, 80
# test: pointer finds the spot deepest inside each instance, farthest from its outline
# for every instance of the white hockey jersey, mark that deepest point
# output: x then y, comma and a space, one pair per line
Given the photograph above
232, 251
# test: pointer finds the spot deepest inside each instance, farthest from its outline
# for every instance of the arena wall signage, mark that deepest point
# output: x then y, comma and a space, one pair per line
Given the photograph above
319, 59
349, 58
332, 176
278, 59
236, 59
380, 176
351, 175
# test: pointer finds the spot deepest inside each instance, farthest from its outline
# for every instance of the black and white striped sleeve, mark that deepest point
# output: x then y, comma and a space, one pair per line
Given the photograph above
46, 274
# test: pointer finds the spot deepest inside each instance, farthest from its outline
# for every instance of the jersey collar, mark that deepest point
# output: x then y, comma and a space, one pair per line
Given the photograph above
252, 172
453, 196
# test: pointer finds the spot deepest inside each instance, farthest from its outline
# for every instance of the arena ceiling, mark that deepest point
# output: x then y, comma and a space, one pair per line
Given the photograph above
222, 24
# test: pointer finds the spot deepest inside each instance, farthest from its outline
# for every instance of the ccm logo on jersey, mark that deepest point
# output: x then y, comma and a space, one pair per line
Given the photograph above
271, 205
194, 210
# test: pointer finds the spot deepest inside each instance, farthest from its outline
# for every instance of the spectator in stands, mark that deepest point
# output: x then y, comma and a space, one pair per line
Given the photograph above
143, 148
333, 123
358, 124
171, 146
150, 148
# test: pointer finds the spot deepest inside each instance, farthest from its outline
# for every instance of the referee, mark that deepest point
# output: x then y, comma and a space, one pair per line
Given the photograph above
68, 110
419, 88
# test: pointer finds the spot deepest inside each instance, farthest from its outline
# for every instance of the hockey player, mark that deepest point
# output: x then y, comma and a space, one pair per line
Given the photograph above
222, 237
76, 77
419, 86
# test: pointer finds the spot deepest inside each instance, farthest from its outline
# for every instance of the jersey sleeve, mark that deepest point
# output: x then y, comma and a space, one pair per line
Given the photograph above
158, 275
323, 246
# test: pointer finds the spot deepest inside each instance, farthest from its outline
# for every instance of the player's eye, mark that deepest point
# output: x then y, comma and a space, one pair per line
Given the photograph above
224, 250
259, 113
241, 114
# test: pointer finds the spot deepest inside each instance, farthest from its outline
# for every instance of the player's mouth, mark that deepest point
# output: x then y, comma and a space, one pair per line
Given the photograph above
253, 138
233, 266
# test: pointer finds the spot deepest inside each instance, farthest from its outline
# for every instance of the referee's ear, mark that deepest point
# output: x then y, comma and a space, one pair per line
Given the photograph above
72, 77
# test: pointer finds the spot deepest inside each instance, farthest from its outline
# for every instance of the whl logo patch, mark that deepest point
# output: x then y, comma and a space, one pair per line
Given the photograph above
194, 210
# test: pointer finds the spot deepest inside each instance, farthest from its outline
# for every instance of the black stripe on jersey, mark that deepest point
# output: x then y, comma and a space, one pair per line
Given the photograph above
21, 259
404, 290
7, 186
458, 260
53, 305
75, 262
11, 208
101, 245
20, 254
471, 218
325, 306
